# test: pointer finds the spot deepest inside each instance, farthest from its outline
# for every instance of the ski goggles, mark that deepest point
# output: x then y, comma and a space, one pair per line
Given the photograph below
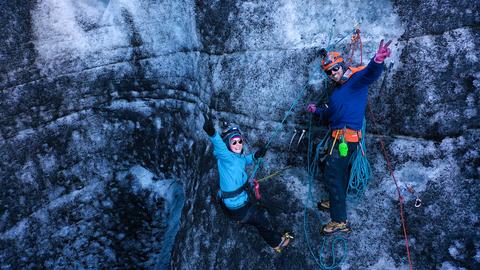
334, 68
234, 142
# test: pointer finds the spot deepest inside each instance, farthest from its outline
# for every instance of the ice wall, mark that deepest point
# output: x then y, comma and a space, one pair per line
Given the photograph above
88, 91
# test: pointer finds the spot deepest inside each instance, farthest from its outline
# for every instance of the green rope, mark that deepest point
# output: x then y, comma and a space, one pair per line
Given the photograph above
273, 174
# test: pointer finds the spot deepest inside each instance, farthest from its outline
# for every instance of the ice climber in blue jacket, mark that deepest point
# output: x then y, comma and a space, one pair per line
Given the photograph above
344, 112
231, 161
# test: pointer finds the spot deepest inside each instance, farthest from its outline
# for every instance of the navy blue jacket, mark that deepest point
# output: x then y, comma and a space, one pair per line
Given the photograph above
346, 107
231, 168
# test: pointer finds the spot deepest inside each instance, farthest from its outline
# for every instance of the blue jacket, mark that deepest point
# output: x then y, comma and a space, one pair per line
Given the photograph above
231, 168
346, 107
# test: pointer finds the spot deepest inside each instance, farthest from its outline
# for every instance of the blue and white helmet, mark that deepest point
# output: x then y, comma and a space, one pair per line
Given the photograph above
230, 132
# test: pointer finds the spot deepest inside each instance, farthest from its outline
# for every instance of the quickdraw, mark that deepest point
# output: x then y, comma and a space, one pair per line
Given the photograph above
355, 42
418, 201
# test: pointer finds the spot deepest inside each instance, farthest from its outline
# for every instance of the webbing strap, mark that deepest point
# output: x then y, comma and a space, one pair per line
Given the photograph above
233, 194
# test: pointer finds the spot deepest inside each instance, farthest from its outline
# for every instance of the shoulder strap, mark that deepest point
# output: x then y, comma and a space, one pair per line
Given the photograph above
356, 69
349, 72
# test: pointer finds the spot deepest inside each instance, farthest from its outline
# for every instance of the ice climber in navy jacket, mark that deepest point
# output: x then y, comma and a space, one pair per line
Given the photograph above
344, 111
231, 161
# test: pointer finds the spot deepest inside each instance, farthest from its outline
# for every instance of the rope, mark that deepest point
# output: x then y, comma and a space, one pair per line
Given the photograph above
360, 171
288, 113
390, 169
273, 174
400, 198
312, 168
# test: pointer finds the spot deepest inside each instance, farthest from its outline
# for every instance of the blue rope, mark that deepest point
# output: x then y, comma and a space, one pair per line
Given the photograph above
288, 113
312, 168
361, 170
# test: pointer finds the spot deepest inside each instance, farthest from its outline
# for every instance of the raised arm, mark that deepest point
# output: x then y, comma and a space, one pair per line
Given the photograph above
374, 69
220, 150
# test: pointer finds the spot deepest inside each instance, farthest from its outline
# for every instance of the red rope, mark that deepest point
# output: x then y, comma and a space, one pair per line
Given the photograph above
355, 42
405, 234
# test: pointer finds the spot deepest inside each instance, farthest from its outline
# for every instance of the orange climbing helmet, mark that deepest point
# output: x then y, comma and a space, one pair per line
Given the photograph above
330, 59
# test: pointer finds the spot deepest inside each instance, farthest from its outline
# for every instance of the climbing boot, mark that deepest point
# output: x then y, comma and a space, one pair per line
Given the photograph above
287, 237
324, 206
334, 227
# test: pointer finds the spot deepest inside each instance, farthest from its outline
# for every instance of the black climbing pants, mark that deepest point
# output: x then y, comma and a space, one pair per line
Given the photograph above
257, 216
336, 175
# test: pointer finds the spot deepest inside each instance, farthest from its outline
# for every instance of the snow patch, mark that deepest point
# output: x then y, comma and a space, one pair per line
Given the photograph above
450, 266
386, 262
135, 106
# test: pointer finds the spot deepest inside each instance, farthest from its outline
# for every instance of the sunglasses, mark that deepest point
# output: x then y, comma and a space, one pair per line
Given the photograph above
237, 141
334, 68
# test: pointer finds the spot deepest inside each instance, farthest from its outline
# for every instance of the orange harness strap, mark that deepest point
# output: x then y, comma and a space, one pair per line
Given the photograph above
349, 134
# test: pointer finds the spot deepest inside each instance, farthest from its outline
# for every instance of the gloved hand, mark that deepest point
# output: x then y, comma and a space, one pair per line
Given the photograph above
382, 52
260, 153
311, 107
208, 125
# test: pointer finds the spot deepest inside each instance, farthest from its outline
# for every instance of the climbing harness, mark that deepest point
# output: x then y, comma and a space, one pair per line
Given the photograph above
343, 146
312, 167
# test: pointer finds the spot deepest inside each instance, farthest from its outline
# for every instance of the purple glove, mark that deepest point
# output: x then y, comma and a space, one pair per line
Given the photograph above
383, 52
311, 107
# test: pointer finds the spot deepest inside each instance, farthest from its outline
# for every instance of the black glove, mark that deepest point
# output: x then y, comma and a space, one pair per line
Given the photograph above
260, 153
208, 126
